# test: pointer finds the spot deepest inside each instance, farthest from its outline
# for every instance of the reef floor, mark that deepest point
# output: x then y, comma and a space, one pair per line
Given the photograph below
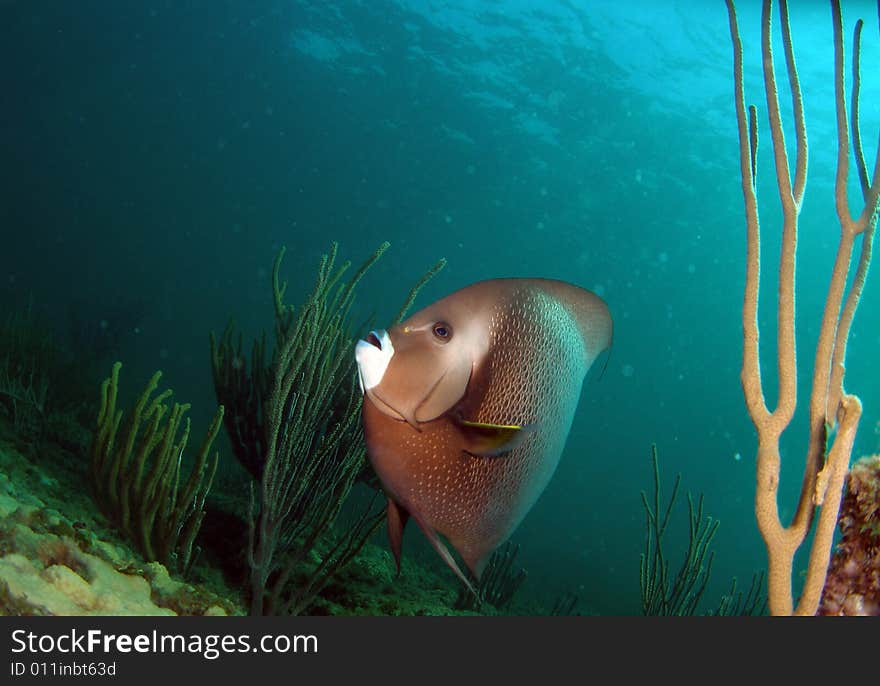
60, 556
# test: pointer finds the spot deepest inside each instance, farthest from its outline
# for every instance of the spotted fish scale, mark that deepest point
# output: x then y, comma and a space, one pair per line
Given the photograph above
469, 403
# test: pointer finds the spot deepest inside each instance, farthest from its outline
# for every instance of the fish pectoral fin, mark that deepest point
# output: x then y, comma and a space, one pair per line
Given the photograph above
490, 440
397, 519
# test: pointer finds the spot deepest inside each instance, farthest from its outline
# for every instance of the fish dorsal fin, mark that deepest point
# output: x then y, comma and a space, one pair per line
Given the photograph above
397, 519
490, 440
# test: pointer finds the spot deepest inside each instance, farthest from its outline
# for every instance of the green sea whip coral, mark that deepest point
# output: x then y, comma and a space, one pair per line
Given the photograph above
498, 584
665, 594
136, 475
27, 360
661, 593
295, 425
314, 448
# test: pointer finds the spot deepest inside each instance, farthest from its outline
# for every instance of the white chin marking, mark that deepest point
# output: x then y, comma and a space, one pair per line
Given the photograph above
372, 361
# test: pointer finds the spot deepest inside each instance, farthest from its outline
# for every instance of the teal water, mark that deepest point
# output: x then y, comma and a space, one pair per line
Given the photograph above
156, 155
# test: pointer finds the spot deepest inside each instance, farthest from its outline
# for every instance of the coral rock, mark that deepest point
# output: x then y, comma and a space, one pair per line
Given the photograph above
853, 583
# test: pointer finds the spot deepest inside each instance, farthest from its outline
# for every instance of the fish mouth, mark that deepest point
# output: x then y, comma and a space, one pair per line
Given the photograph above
373, 339
373, 355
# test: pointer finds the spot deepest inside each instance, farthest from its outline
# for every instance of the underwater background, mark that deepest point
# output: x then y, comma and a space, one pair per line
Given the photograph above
156, 156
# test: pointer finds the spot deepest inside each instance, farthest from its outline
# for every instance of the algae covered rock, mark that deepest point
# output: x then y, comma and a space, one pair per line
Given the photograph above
57, 556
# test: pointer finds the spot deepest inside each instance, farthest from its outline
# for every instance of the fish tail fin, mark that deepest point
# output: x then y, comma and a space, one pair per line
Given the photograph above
397, 519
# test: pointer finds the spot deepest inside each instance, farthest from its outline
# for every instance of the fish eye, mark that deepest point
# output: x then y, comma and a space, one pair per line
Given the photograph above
442, 331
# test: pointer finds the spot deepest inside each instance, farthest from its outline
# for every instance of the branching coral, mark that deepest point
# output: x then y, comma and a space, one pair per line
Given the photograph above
663, 593
498, 584
137, 475
737, 603
314, 445
244, 390
27, 355
565, 605
294, 423
834, 413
